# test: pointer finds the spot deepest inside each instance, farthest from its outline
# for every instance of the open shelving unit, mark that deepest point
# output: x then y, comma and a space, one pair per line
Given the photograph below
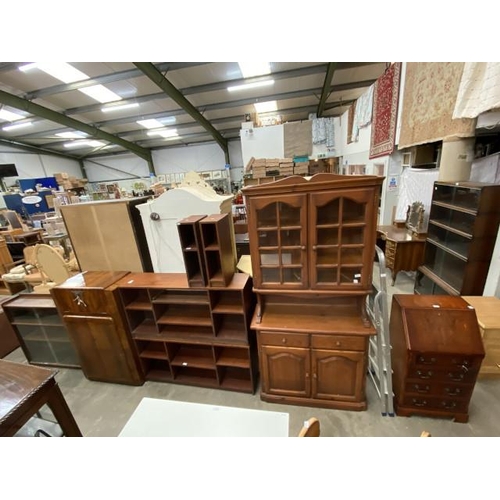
195, 336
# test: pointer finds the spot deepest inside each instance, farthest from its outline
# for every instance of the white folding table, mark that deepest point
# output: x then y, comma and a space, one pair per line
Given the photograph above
166, 418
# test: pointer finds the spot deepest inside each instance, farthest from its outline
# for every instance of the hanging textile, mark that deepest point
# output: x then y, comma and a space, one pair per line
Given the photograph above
363, 112
479, 89
318, 131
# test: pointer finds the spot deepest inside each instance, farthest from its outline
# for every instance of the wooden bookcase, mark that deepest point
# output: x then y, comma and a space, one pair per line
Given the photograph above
192, 253
195, 336
217, 249
463, 226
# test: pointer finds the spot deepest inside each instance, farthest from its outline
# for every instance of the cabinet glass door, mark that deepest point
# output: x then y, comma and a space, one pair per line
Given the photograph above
339, 256
281, 241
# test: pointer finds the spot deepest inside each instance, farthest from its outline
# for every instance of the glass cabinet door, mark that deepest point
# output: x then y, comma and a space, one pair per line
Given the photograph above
339, 256
280, 243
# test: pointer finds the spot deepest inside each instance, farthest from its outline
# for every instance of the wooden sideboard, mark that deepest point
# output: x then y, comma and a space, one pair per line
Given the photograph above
404, 250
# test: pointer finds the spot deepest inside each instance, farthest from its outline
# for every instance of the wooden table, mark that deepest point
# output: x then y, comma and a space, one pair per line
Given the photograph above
24, 389
166, 418
404, 250
30, 237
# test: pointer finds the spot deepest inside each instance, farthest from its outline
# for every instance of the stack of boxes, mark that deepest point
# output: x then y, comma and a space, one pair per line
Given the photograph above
272, 167
286, 166
301, 168
69, 181
259, 168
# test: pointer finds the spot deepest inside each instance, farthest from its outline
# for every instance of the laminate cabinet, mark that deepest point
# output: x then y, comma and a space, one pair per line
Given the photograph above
437, 353
195, 336
90, 307
312, 250
108, 235
463, 226
40, 330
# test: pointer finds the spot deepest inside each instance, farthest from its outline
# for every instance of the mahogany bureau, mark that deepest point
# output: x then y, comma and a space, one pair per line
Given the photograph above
436, 355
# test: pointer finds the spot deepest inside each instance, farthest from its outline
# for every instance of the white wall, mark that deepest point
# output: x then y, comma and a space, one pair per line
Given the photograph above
263, 142
32, 165
111, 168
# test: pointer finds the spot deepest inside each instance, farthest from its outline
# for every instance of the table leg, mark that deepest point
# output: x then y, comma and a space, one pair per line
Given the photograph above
62, 413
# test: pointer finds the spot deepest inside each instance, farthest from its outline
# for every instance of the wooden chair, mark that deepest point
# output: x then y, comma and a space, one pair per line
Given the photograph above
310, 428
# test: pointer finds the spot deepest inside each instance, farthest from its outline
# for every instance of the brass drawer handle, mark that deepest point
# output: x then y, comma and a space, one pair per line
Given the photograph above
416, 402
457, 377
424, 389
449, 405
424, 375
454, 391
424, 361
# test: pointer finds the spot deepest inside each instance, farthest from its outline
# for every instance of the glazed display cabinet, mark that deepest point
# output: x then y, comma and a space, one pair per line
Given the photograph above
463, 226
312, 245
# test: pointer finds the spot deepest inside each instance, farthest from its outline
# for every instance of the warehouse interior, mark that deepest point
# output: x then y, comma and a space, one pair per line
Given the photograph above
178, 124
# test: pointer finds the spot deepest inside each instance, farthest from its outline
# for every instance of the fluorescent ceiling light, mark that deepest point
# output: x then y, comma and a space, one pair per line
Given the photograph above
71, 135
246, 86
100, 93
77, 144
120, 107
10, 116
68, 74
266, 107
152, 123
19, 125
164, 133
249, 69
28, 67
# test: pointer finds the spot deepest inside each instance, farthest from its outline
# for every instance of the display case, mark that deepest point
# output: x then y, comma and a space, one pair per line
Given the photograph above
40, 330
463, 226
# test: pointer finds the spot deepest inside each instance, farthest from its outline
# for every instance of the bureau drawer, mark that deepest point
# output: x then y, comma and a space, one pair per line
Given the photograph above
451, 361
420, 388
436, 403
339, 342
81, 301
284, 339
439, 375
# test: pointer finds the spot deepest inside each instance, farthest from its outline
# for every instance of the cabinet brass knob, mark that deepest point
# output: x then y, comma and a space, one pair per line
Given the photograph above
337, 343
315, 247
315, 375
303, 247
284, 341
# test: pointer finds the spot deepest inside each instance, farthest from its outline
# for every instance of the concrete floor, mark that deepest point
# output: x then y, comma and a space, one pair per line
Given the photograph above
102, 409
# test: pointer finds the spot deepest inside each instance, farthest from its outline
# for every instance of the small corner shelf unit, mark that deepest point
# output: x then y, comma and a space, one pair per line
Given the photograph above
463, 225
194, 336
40, 330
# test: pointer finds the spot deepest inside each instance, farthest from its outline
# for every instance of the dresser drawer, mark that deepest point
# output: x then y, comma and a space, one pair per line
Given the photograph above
339, 342
77, 301
419, 388
436, 403
439, 375
451, 361
284, 339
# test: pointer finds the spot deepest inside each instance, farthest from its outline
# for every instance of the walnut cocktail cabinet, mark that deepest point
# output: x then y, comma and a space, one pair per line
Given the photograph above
437, 352
90, 308
312, 245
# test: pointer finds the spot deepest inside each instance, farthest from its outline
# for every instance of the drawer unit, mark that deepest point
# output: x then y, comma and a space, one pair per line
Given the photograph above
437, 353
282, 339
340, 342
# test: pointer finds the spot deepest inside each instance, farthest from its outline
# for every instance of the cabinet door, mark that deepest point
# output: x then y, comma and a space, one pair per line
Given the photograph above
99, 347
338, 375
285, 371
342, 237
278, 241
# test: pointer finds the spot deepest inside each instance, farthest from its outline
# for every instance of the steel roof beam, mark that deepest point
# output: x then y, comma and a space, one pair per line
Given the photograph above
54, 116
155, 76
104, 79
34, 149
325, 92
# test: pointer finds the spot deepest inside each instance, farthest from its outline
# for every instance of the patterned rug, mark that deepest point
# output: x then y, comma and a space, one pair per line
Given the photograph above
430, 94
385, 112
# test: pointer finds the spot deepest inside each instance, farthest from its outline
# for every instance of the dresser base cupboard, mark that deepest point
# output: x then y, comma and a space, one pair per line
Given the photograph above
437, 353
